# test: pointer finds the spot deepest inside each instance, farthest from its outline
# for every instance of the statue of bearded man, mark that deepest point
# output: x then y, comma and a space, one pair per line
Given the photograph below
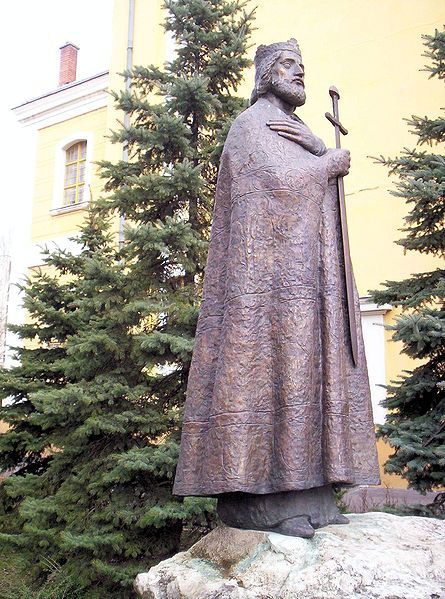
276, 412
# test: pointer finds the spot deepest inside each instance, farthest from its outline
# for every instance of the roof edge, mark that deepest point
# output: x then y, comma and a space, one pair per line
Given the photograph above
62, 88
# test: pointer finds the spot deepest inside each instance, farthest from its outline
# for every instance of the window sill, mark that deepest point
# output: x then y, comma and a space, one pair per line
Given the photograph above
67, 209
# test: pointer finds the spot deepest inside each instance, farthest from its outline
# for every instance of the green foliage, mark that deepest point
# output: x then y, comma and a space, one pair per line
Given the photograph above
339, 494
95, 405
415, 424
17, 584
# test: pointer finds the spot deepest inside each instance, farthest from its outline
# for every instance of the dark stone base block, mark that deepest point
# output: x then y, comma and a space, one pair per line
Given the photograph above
293, 513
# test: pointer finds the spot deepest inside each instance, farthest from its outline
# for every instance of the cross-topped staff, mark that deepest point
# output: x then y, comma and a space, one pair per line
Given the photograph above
335, 120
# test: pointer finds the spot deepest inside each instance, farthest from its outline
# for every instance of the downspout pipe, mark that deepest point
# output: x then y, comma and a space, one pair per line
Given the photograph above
128, 67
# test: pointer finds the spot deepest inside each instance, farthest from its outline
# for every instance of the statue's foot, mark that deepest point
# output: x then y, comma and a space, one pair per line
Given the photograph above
334, 519
295, 527
339, 519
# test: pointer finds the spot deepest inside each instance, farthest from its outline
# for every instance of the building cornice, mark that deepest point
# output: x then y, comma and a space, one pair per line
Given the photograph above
74, 99
369, 307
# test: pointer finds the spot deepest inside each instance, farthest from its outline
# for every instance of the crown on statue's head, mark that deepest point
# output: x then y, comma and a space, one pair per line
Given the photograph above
264, 51
265, 58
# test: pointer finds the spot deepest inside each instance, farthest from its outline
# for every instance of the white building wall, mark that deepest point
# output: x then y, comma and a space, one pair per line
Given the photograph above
374, 338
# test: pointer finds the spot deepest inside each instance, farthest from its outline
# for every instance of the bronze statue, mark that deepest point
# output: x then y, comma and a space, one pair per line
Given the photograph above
277, 409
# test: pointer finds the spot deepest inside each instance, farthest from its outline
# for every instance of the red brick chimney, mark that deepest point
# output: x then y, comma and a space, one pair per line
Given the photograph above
68, 63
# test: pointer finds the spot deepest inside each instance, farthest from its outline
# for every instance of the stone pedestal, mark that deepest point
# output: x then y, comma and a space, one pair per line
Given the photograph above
376, 556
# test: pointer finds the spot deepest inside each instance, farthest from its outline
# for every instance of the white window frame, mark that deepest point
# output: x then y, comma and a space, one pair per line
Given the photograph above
373, 327
59, 172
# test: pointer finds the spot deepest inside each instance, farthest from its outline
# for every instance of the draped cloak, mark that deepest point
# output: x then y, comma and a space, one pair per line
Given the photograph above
274, 402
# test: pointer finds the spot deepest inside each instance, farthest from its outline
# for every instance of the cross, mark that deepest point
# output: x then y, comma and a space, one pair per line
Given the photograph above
349, 280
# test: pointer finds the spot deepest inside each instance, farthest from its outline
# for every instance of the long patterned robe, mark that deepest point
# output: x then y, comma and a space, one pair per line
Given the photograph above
274, 402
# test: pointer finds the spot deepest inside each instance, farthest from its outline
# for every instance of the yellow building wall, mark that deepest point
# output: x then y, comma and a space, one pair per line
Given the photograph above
149, 47
46, 225
370, 49
391, 481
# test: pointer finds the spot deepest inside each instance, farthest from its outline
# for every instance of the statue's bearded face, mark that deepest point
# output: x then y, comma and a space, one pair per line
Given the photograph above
287, 80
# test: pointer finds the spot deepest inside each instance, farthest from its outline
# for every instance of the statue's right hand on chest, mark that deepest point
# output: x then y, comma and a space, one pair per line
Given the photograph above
299, 133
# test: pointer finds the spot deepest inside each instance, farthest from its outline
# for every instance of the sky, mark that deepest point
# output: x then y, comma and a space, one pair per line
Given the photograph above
31, 33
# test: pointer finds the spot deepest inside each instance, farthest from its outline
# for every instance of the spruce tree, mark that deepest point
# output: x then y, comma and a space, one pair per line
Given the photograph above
25, 449
101, 504
415, 423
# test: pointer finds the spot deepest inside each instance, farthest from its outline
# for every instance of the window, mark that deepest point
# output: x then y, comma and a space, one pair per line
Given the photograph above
74, 177
72, 173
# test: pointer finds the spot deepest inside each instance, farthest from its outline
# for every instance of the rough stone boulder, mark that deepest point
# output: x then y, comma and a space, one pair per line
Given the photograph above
377, 555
